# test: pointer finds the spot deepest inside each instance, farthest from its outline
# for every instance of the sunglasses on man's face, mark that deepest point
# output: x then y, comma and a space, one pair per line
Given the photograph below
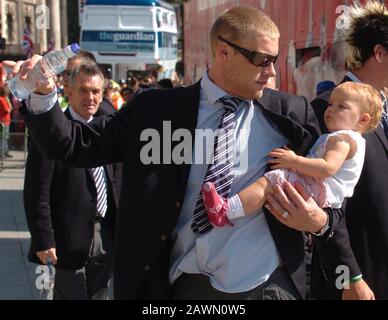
259, 59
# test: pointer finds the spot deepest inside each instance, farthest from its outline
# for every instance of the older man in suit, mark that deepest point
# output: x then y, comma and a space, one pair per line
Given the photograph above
71, 211
367, 210
161, 221
83, 57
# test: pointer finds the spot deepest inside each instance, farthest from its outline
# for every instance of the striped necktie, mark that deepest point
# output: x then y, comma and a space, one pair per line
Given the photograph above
99, 180
220, 171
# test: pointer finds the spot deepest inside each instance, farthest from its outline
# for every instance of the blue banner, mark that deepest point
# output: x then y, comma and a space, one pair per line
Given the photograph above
118, 41
118, 36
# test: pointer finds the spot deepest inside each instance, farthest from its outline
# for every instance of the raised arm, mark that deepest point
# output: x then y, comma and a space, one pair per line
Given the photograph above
338, 149
105, 140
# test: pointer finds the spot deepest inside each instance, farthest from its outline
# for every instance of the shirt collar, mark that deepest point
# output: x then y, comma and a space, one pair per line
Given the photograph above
76, 116
353, 77
211, 90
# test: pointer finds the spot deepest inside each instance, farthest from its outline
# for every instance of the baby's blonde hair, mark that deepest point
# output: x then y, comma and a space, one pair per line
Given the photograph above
370, 101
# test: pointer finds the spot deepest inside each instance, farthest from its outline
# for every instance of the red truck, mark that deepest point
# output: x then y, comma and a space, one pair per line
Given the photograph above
311, 42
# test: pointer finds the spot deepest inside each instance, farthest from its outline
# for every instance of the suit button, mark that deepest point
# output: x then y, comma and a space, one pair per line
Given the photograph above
147, 267
178, 204
163, 237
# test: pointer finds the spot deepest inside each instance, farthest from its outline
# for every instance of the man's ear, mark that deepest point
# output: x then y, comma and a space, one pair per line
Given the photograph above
222, 51
379, 52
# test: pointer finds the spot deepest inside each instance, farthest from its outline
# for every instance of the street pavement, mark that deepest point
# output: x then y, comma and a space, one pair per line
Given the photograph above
17, 275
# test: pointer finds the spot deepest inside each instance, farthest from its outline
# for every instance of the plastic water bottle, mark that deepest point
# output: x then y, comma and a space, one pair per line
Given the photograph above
47, 291
54, 62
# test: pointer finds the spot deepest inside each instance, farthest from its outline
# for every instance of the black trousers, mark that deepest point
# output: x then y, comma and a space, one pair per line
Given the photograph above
91, 281
279, 286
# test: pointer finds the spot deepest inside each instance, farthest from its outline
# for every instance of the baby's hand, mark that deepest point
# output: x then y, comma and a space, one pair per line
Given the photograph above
282, 158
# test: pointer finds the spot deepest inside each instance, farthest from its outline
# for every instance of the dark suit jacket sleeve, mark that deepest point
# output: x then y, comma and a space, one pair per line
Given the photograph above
37, 185
105, 140
334, 248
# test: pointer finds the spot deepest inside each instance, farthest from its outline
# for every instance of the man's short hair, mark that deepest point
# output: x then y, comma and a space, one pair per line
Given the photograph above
235, 23
87, 69
368, 27
85, 57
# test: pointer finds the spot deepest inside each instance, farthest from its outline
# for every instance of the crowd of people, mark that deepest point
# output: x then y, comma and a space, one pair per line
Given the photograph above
117, 94
10, 121
235, 227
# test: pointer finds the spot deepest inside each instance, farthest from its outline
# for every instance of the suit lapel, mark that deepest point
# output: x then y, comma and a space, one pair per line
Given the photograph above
300, 139
379, 132
67, 114
185, 116
88, 170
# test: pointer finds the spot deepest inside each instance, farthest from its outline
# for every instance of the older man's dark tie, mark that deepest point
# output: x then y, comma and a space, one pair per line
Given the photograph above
220, 171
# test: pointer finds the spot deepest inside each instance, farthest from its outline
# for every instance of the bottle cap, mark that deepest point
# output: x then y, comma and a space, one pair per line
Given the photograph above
74, 47
71, 50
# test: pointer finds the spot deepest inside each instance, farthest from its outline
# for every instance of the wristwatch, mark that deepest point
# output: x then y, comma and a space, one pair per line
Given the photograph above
326, 227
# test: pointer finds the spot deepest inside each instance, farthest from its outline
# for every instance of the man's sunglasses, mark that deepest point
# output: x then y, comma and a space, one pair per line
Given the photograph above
259, 59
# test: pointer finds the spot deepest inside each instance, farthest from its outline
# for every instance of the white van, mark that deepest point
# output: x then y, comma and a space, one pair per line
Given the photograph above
131, 36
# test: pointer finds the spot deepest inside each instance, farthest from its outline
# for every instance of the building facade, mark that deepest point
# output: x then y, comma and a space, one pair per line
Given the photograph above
38, 25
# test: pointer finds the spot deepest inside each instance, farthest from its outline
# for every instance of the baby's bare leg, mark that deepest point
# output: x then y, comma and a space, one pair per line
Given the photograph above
253, 197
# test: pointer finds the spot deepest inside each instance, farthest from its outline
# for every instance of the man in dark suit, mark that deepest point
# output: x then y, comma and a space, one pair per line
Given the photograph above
160, 239
69, 221
367, 210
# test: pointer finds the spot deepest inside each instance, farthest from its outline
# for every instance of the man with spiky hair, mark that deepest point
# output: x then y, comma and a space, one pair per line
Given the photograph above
367, 211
